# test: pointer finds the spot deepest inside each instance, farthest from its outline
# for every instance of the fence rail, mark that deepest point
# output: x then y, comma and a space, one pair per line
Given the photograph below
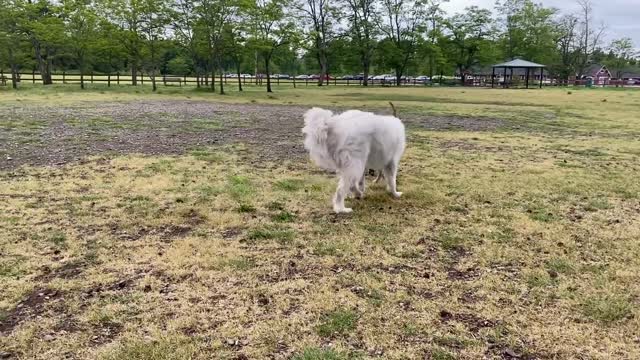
205, 80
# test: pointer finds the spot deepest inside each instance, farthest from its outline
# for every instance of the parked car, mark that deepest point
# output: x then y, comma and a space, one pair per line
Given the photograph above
422, 78
358, 77
380, 77
390, 78
284, 76
347, 77
316, 77
246, 76
302, 77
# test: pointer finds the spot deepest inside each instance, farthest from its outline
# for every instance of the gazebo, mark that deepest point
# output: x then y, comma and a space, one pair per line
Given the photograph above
517, 64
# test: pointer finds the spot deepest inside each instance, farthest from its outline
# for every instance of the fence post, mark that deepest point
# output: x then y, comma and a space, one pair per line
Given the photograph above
141, 77
185, 80
294, 82
64, 77
164, 80
91, 76
109, 80
118, 77
33, 76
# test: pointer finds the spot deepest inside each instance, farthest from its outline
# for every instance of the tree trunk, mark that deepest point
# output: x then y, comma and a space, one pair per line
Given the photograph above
42, 63
14, 70
221, 81
213, 79
14, 76
365, 73
154, 87
134, 75
322, 62
255, 73
239, 79
267, 59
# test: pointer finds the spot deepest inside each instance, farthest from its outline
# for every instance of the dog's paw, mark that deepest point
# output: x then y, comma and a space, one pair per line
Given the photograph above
397, 195
343, 210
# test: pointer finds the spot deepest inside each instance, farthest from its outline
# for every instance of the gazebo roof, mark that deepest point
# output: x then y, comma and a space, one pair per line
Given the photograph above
519, 63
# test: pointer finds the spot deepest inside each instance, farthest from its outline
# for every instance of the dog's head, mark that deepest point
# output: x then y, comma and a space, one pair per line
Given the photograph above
315, 124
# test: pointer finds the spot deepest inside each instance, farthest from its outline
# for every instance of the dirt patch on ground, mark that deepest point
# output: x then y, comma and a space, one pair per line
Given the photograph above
473, 322
454, 123
34, 304
69, 270
49, 135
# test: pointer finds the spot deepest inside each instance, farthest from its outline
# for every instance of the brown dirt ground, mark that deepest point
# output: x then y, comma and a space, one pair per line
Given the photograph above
59, 135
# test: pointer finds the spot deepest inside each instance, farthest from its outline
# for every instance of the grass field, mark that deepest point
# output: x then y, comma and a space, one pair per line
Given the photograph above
187, 225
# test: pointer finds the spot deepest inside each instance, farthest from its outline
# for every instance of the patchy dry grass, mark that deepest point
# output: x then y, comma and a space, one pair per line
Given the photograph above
506, 244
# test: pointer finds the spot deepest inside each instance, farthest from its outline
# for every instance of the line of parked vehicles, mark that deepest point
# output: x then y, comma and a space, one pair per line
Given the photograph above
376, 78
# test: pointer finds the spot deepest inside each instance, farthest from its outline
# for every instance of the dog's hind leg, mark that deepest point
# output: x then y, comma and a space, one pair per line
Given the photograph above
361, 187
390, 171
380, 176
358, 187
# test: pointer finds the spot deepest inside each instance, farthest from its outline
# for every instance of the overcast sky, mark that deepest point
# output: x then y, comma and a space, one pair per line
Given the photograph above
622, 17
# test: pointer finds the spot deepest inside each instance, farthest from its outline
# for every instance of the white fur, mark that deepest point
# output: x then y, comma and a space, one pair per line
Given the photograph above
350, 143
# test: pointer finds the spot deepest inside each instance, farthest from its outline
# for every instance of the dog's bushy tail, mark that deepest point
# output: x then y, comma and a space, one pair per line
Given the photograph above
316, 129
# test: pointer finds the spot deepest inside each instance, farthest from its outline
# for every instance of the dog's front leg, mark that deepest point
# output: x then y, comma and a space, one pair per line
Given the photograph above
341, 192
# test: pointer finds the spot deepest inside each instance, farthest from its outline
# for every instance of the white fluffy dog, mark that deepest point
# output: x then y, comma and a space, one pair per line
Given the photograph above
352, 142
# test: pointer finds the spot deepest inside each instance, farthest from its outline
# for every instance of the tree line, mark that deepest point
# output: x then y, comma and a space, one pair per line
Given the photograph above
214, 37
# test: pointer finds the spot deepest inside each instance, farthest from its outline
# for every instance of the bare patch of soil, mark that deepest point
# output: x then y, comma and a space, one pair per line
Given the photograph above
34, 304
68, 134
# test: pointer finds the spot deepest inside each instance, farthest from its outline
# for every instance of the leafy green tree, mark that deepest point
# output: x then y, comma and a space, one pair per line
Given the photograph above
530, 31
402, 22
127, 15
567, 45
236, 50
109, 53
81, 25
622, 51
153, 25
269, 29
12, 38
184, 24
432, 47
213, 17
44, 27
471, 39
362, 19
321, 17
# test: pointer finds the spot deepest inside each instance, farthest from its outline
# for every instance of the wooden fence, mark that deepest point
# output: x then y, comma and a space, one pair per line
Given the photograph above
203, 81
